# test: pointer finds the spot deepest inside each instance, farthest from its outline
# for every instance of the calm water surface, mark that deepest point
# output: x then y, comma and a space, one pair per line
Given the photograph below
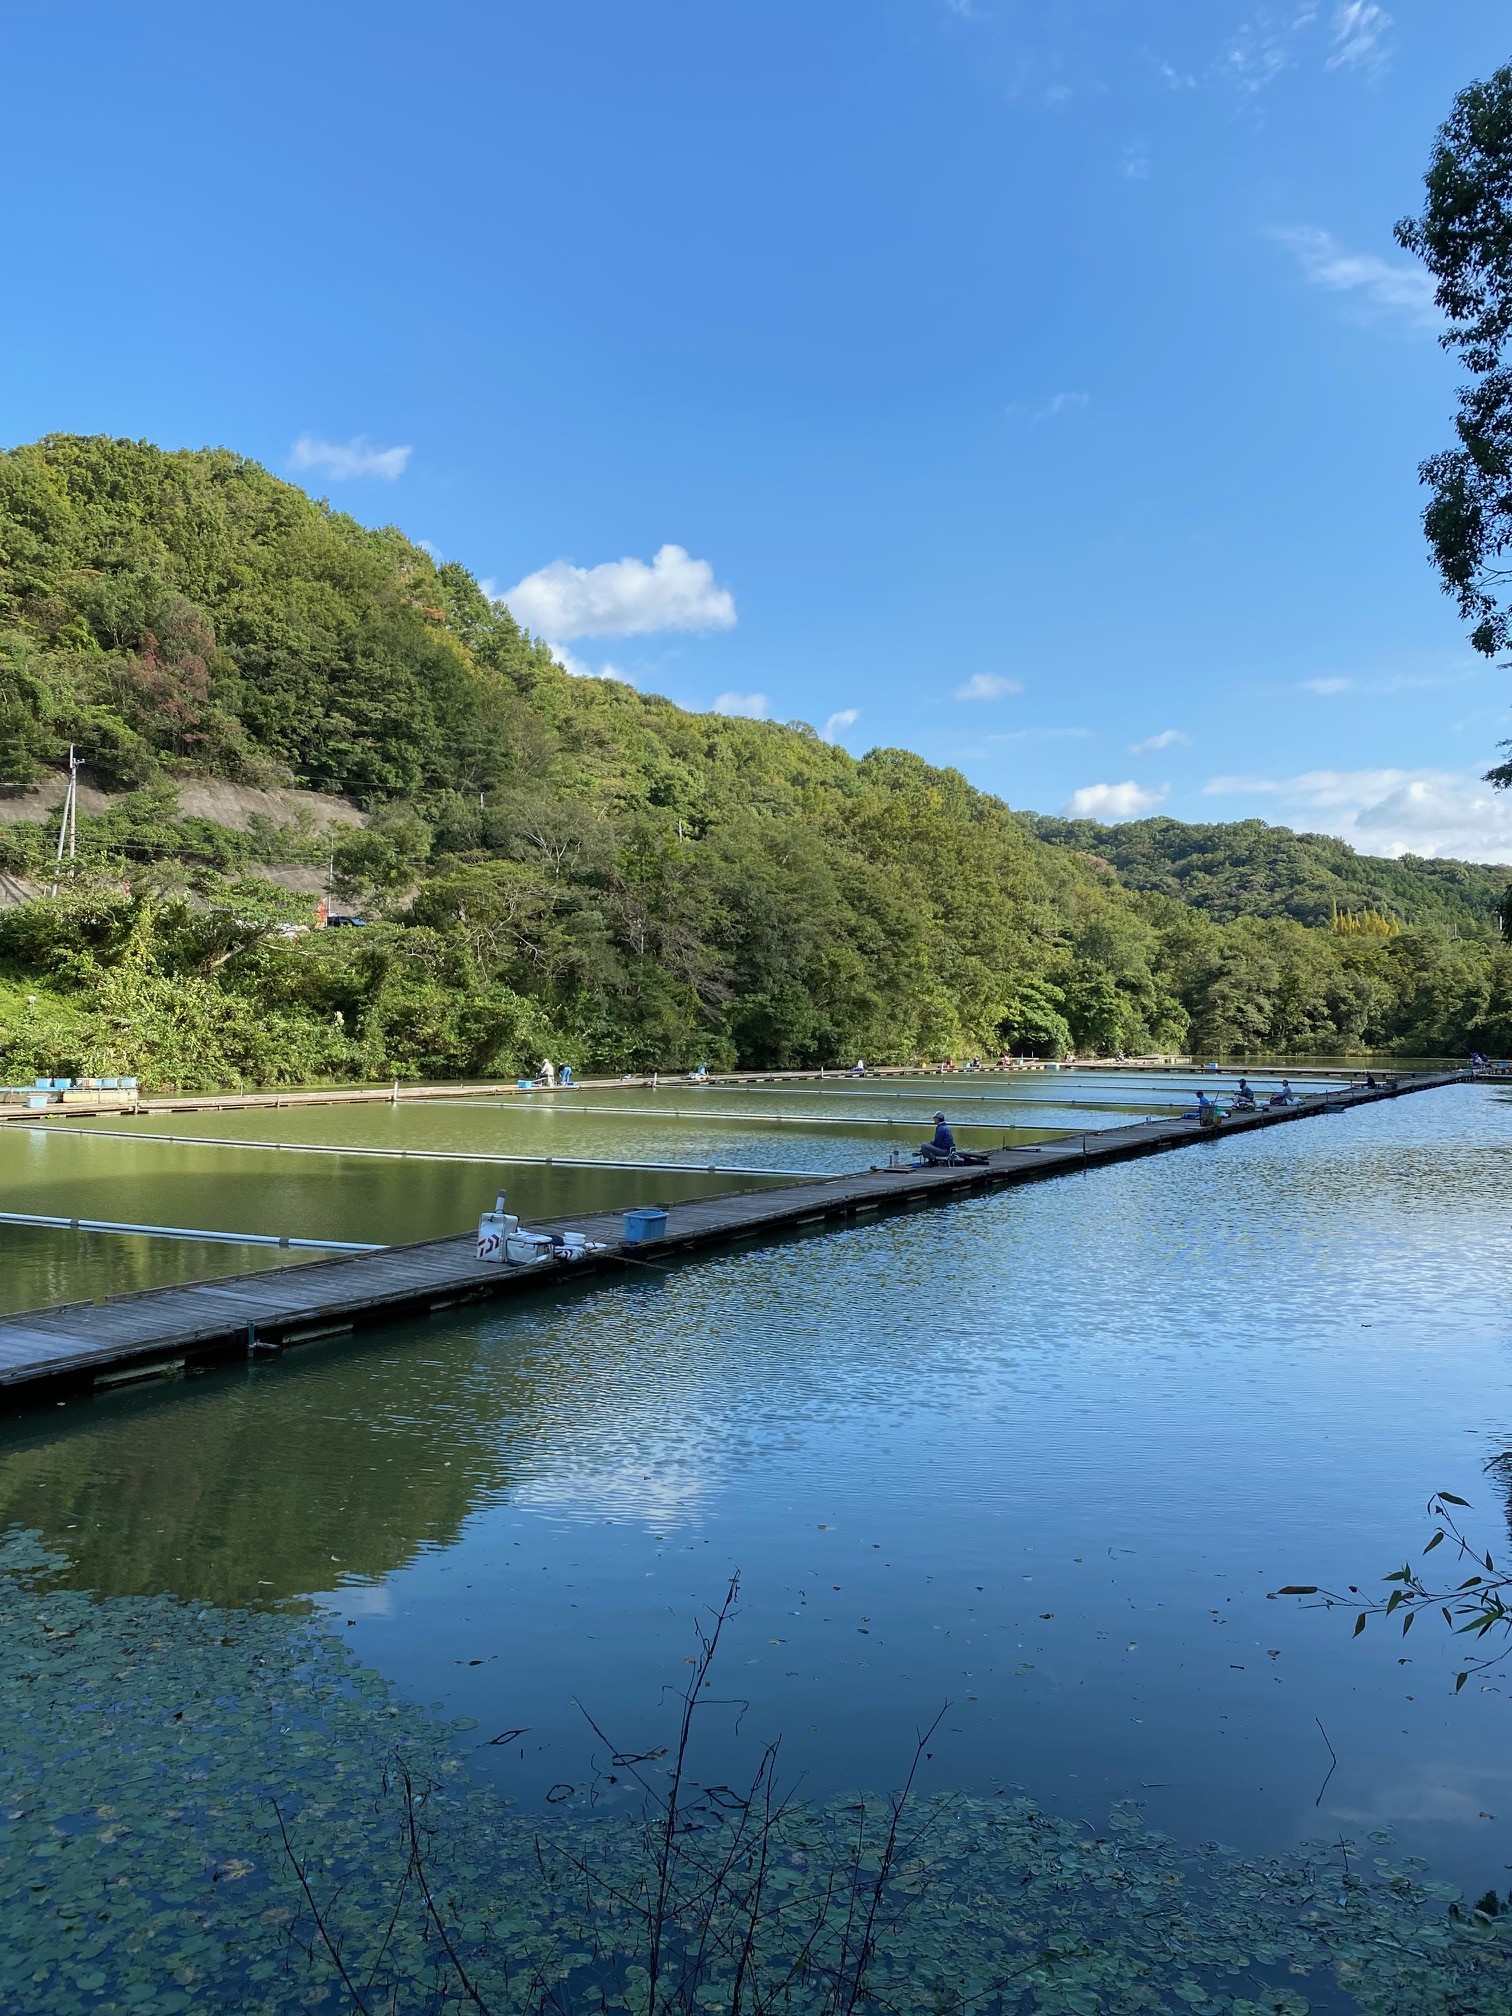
1039, 1456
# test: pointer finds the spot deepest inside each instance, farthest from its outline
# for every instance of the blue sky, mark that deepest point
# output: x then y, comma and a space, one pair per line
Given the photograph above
1032, 383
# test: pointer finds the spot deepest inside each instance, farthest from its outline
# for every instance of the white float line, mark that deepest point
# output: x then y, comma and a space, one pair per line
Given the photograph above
187, 1232
960, 1097
786, 1119
429, 1154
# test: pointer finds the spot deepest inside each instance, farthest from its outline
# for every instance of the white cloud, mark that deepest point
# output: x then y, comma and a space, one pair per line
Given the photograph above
1324, 685
835, 727
1358, 29
1051, 408
1389, 811
752, 706
1134, 162
581, 669
987, 686
1168, 738
622, 598
1262, 47
430, 546
344, 460
1113, 801
1268, 44
1383, 286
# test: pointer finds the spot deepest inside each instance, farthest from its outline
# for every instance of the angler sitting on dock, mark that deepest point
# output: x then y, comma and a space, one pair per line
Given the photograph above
943, 1145
1206, 1112
1286, 1096
1244, 1098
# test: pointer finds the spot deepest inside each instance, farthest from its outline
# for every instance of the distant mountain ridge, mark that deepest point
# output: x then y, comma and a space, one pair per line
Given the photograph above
1247, 868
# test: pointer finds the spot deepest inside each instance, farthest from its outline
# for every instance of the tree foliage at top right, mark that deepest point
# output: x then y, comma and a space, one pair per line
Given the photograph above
1464, 237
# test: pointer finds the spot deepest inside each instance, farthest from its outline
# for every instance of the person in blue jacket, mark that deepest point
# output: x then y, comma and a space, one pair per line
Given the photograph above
943, 1145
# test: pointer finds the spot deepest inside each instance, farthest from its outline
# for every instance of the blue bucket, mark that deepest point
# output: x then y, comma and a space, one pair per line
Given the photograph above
643, 1225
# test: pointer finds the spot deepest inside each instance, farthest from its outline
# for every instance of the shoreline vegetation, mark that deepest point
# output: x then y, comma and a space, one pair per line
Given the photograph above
554, 865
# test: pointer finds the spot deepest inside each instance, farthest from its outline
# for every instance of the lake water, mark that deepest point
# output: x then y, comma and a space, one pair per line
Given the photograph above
1036, 1459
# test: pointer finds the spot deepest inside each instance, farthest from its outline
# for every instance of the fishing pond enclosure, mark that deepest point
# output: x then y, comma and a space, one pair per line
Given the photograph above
48, 1354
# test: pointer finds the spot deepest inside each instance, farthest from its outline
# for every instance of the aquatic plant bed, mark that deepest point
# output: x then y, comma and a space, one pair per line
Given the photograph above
175, 1327
211, 1809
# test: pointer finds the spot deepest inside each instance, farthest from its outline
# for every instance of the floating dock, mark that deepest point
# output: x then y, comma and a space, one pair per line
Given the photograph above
46, 1353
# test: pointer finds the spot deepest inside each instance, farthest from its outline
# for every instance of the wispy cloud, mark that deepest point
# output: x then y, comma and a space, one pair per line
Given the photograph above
1380, 286
1114, 802
430, 546
1276, 37
1168, 738
1359, 29
1134, 163
987, 686
1437, 813
1051, 408
622, 598
1262, 48
838, 722
343, 461
749, 706
1436, 676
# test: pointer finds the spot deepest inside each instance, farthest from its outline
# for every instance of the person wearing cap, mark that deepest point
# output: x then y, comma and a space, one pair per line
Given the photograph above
943, 1145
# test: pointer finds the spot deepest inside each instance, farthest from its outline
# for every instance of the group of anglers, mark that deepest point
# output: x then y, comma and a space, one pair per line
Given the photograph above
1208, 1113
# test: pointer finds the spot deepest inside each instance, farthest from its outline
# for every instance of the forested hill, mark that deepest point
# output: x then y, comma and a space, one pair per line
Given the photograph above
551, 862
1249, 869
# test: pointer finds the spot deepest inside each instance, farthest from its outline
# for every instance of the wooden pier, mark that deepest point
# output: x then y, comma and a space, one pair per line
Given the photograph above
46, 1353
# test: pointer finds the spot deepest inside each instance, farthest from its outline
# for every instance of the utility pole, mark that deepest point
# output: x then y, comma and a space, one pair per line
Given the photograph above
68, 826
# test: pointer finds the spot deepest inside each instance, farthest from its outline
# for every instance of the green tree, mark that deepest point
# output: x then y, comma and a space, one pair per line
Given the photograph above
1464, 237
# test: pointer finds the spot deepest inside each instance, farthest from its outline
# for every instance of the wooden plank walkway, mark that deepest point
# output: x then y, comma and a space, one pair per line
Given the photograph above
79, 1345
